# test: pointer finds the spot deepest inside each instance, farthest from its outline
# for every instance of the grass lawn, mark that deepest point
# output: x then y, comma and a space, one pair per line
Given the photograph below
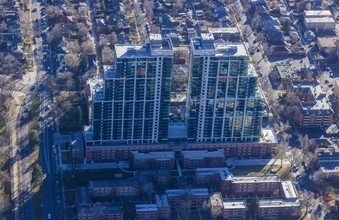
260, 170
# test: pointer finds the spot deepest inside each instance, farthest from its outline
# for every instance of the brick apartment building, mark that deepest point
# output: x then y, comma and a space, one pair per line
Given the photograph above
116, 188
314, 106
163, 206
262, 148
227, 209
286, 205
194, 197
272, 209
157, 177
101, 213
236, 185
146, 212
319, 20
153, 160
196, 159
252, 184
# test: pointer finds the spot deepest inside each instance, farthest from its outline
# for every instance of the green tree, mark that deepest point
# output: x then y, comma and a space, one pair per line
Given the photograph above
37, 173
34, 138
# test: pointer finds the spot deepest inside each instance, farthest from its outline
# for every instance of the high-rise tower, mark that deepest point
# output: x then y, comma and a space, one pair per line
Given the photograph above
133, 106
224, 101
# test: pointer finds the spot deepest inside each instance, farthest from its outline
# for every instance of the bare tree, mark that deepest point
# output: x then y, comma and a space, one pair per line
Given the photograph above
82, 31
55, 34
246, 31
83, 11
112, 39
87, 47
107, 56
307, 200
72, 46
52, 12
72, 60
256, 21
149, 7
295, 156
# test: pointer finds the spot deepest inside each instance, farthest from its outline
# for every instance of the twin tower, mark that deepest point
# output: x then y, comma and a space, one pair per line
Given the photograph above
132, 105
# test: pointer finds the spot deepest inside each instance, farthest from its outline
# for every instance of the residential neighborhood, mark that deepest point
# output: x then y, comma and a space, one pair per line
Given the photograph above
162, 109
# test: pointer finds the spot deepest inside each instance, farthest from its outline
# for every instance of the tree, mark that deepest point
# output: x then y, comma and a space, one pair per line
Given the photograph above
256, 21
107, 56
37, 173
295, 156
246, 31
149, 6
82, 31
72, 46
52, 12
34, 138
253, 207
307, 200
83, 12
112, 39
72, 60
280, 152
87, 47
55, 34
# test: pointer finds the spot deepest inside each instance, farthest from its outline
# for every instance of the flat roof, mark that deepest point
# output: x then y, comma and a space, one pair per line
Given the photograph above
257, 179
218, 48
320, 20
234, 204
162, 200
153, 155
191, 192
146, 208
221, 30
222, 171
276, 203
317, 13
203, 153
268, 136
289, 189
157, 47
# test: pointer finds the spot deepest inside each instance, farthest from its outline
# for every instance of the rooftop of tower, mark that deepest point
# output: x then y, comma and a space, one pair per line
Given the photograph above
206, 45
156, 47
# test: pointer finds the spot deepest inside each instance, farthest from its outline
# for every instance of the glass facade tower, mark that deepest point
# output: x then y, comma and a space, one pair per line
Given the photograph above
224, 101
133, 106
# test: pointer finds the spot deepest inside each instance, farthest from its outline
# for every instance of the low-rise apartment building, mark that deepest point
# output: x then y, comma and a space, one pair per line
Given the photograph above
194, 198
259, 149
163, 206
227, 209
195, 159
328, 161
101, 213
153, 160
146, 212
314, 106
252, 184
234, 209
319, 20
272, 209
116, 188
